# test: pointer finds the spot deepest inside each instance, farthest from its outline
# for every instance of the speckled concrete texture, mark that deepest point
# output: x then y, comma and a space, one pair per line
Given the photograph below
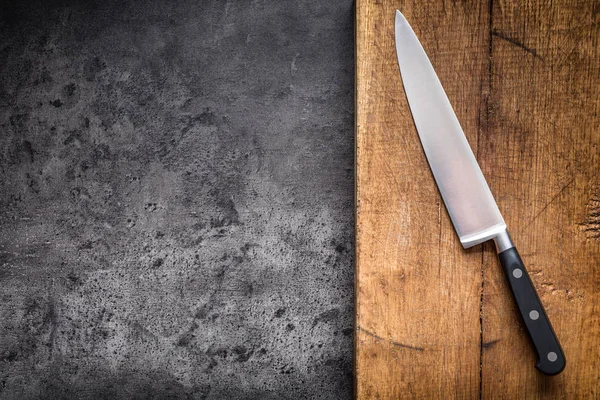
176, 199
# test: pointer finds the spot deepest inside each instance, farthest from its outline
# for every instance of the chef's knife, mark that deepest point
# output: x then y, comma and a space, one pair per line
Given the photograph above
468, 199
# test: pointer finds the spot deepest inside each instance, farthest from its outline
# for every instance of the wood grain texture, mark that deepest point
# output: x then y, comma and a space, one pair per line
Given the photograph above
434, 320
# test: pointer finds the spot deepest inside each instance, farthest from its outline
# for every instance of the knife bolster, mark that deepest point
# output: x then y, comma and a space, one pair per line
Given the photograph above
503, 241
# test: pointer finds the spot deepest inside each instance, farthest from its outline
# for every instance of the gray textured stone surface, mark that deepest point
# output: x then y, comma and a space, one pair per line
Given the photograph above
176, 198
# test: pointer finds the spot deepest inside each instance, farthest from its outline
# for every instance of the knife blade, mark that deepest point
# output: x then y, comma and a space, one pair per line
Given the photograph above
468, 199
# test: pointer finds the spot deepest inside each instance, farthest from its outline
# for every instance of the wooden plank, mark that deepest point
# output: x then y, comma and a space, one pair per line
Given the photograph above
417, 291
541, 155
526, 90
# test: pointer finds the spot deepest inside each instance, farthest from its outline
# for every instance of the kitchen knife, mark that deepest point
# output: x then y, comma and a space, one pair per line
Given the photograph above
468, 198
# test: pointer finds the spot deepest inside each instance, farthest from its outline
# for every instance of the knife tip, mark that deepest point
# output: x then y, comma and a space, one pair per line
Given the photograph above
400, 17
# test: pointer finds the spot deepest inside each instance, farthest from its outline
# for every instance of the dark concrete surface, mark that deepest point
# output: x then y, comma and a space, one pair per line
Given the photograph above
176, 196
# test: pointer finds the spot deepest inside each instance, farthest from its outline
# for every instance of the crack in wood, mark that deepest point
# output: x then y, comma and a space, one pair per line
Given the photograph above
489, 344
393, 343
551, 201
515, 42
591, 225
487, 127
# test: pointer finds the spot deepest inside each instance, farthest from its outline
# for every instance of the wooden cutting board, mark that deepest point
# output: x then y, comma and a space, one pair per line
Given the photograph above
434, 320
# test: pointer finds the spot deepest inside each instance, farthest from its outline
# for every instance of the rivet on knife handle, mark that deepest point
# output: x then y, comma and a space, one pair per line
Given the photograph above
551, 359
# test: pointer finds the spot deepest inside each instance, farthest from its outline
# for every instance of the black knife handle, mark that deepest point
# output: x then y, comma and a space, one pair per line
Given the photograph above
551, 359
